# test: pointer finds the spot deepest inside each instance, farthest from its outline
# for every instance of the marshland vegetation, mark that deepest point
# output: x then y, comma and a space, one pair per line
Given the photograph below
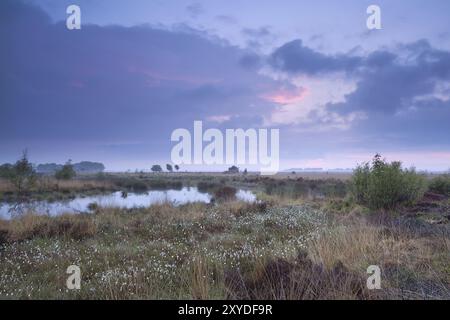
302, 239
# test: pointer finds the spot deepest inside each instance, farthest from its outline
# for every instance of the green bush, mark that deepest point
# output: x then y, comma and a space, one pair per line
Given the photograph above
383, 185
66, 173
441, 184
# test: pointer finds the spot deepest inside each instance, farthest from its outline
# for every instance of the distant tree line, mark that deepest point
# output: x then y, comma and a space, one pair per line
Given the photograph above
169, 167
67, 172
24, 175
79, 168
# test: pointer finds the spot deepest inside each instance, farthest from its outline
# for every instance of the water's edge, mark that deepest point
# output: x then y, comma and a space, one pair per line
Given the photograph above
81, 204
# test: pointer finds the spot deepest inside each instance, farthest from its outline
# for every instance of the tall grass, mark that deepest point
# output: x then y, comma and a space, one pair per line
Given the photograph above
50, 184
31, 226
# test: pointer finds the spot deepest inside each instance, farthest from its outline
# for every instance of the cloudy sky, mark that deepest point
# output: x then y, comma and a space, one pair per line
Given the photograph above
116, 89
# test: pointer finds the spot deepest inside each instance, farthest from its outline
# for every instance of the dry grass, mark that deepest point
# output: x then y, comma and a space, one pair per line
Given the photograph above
407, 260
199, 278
50, 184
356, 245
361, 244
296, 279
29, 226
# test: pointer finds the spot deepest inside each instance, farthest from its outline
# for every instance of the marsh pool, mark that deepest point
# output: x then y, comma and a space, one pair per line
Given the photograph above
81, 204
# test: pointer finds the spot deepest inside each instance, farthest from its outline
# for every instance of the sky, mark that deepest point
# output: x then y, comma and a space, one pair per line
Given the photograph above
115, 90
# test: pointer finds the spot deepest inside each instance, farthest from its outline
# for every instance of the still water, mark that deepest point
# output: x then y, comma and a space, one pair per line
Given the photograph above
116, 199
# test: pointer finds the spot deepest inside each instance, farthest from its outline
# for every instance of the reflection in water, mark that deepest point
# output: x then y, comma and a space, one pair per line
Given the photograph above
120, 199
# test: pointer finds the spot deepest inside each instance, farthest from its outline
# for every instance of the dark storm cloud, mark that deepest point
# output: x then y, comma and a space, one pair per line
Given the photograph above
400, 95
391, 82
386, 81
108, 84
294, 57
251, 61
403, 93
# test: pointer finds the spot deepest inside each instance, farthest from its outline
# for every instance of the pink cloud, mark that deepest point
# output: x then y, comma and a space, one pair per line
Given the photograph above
286, 96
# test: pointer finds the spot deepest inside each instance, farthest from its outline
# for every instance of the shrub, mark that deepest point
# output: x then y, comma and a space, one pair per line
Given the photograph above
23, 176
441, 184
67, 172
383, 185
225, 193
